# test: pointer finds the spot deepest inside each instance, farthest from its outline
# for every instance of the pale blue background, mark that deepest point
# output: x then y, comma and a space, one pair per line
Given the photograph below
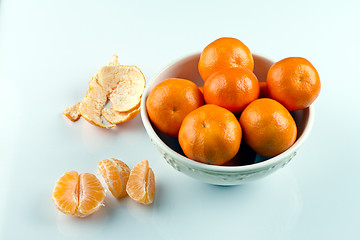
50, 49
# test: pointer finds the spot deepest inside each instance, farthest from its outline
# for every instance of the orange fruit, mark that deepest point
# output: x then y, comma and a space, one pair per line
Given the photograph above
232, 89
115, 174
268, 127
264, 92
170, 101
294, 82
224, 53
78, 194
210, 134
141, 184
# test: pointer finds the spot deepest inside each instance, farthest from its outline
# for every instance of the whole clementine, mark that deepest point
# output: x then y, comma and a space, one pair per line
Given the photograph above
210, 134
268, 127
170, 101
224, 53
294, 82
232, 89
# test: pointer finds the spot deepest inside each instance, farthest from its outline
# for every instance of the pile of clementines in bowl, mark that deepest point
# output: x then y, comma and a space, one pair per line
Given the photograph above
228, 116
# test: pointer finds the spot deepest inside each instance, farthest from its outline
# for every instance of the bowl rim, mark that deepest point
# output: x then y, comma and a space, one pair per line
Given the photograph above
289, 153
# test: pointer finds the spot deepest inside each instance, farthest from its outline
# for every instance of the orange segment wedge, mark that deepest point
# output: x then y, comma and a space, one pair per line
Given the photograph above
78, 194
141, 183
65, 194
115, 174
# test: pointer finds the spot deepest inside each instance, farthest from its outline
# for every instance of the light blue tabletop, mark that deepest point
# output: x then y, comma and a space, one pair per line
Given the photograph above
50, 49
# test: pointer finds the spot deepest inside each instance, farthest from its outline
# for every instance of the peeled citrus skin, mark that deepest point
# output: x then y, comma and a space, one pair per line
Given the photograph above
268, 127
294, 82
210, 134
224, 53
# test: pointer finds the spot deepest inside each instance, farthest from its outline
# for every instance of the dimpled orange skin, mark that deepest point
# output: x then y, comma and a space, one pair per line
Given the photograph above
294, 82
224, 53
210, 134
232, 89
170, 101
268, 127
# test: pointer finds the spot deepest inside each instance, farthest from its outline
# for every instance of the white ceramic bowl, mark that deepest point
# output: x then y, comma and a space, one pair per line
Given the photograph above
259, 167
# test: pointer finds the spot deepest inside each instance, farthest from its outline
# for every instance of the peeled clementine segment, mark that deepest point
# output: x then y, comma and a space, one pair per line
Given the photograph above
72, 112
65, 194
141, 183
116, 117
91, 194
78, 194
115, 174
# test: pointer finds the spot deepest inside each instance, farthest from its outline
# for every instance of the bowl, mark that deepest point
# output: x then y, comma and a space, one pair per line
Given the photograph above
249, 168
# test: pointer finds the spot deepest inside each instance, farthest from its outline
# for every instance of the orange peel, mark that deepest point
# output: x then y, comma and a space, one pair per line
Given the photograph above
116, 117
127, 94
94, 102
72, 112
122, 85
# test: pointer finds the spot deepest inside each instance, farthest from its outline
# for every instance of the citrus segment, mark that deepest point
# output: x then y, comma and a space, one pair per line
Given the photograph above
115, 174
141, 183
65, 194
91, 194
78, 195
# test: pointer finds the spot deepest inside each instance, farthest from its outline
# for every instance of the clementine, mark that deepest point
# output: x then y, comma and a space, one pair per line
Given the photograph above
210, 134
224, 53
294, 82
232, 89
170, 101
268, 127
